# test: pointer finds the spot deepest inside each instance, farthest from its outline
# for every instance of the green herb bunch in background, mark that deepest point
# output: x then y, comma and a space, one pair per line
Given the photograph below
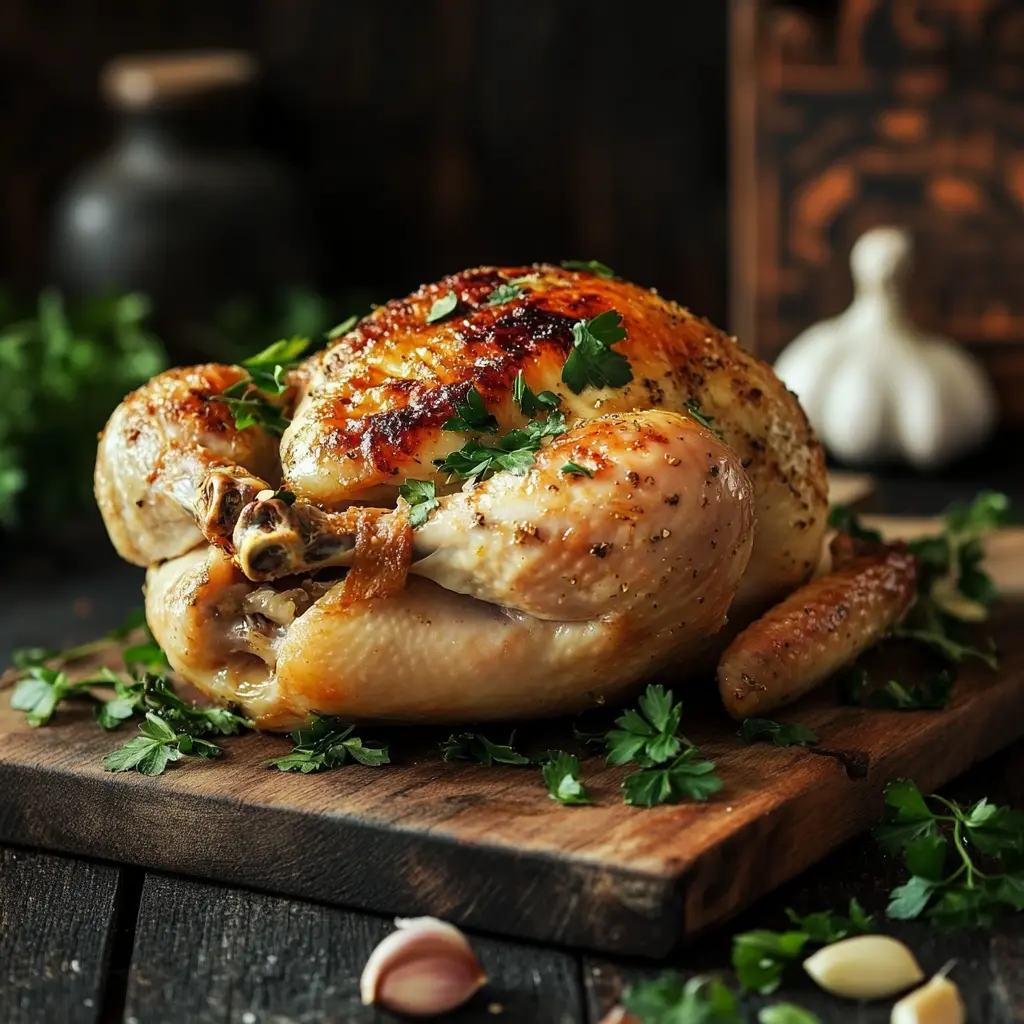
63, 369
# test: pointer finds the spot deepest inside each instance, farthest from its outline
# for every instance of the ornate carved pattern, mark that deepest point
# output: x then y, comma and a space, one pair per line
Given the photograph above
909, 112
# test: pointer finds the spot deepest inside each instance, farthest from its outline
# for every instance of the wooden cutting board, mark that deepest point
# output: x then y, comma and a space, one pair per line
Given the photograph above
485, 847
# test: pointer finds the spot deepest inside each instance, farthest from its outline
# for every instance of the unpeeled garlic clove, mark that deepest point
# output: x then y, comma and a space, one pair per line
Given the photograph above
424, 968
864, 967
938, 1002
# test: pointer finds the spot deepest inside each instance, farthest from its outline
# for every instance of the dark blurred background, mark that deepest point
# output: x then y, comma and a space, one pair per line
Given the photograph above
345, 151
424, 135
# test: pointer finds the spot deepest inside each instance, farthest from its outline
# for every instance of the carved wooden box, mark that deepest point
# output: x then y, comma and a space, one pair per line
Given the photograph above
865, 112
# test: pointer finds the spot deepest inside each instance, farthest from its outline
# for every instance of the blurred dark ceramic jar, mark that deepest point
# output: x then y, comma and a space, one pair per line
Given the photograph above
179, 207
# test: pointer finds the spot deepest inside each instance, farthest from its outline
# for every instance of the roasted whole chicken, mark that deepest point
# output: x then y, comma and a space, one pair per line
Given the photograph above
516, 492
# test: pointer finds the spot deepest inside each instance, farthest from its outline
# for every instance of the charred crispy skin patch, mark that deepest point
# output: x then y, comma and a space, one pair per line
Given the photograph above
817, 630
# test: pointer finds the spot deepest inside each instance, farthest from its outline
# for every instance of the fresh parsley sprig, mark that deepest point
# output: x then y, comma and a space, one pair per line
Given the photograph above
683, 778
513, 452
593, 362
575, 469
442, 307
953, 592
505, 292
530, 403
343, 328
786, 1013
693, 408
670, 765
172, 727
150, 752
39, 692
932, 694
761, 957
966, 864
328, 743
650, 735
561, 775
474, 746
782, 734
422, 498
669, 999
471, 415
248, 398
42, 686
594, 266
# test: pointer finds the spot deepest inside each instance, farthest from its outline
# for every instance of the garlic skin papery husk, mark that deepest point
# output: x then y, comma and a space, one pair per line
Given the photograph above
425, 968
875, 387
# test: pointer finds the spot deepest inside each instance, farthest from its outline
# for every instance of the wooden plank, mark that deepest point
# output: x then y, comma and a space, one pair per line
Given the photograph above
56, 929
989, 966
484, 846
208, 955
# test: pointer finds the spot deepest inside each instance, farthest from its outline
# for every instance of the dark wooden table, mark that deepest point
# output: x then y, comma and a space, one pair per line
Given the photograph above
82, 941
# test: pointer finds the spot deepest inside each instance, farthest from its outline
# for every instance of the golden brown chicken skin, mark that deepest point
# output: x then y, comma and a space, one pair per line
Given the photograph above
701, 502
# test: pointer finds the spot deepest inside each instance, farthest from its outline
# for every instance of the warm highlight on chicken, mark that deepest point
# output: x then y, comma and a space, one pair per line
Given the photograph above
618, 545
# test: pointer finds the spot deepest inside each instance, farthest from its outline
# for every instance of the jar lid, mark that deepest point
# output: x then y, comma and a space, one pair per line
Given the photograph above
139, 81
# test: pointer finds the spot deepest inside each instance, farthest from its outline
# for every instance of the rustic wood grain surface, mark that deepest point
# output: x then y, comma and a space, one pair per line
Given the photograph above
484, 846
57, 919
209, 955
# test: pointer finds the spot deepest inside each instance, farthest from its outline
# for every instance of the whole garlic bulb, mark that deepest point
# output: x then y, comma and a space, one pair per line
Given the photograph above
877, 388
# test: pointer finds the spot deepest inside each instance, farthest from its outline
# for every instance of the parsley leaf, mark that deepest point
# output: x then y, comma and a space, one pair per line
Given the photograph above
648, 736
530, 403
471, 415
288, 497
422, 498
40, 692
514, 451
575, 469
279, 355
248, 398
932, 694
327, 743
942, 844
845, 520
158, 696
344, 327
504, 293
442, 307
594, 266
705, 421
685, 778
671, 769
782, 734
593, 362
123, 705
562, 777
826, 927
669, 999
473, 746
149, 753
945, 645
761, 957
786, 1013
